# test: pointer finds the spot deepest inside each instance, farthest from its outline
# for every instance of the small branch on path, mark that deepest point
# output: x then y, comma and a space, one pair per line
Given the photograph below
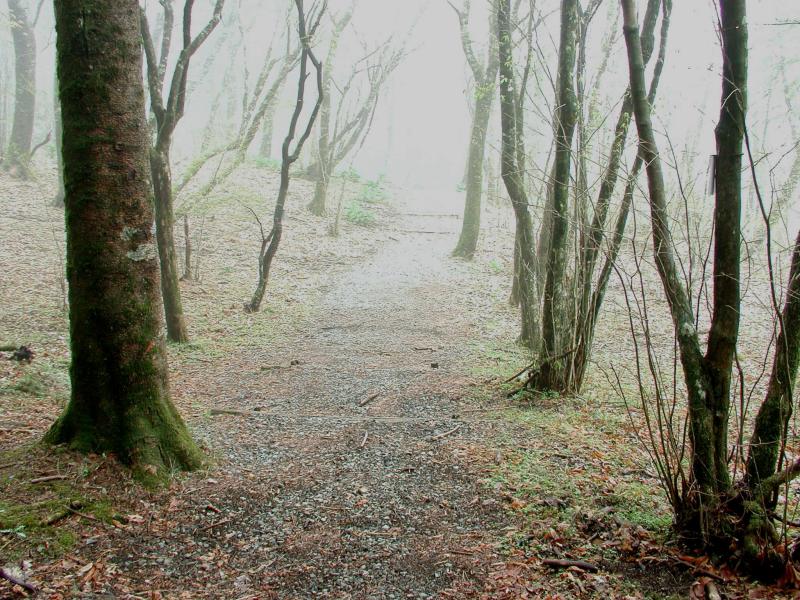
213, 508
48, 478
9, 576
366, 401
560, 563
446, 433
364, 441
224, 411
215, 524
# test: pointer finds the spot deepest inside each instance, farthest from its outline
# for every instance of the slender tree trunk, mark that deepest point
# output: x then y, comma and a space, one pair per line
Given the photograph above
317, 206
512, 177
19, 145
590, 301
326, 159
552, 374
120, 399
167, 116
471, 225
773, 416
165, 234
721, 348
707, 378
289, 155
270, 244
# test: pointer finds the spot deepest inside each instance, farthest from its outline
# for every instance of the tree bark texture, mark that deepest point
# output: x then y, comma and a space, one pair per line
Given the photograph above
120, 399
270, 243
168, 112
485, 81
590, 300
512, 177
552, 374
325, 158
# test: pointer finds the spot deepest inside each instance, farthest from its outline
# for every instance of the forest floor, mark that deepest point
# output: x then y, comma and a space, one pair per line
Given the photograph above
360, 438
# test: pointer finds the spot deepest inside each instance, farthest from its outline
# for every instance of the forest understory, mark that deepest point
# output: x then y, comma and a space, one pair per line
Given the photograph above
360, 435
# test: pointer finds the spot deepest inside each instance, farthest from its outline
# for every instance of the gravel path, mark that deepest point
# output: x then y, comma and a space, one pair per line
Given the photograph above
359, 461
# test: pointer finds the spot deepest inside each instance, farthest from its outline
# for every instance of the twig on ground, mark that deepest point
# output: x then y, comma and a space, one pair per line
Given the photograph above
366, 401
48, 478
224, 411
562, 563
8, 576
215, 524
364, 441
446, 433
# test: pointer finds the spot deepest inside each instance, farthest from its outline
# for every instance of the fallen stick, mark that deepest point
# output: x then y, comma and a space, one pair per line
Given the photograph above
215, 524
446, 433
366, 401
84, 515
364, 441
48, 478
699, 570
8, 576
545, 362
224, 411
561, 563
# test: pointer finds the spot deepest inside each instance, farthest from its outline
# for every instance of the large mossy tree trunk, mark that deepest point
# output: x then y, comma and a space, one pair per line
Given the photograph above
120, 399
552, 374
17, 159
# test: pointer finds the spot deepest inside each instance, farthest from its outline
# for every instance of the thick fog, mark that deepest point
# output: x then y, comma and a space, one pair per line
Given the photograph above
421, 126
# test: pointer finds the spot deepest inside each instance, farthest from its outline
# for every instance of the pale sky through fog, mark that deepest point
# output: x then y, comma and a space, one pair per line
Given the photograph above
423, 124
421, 128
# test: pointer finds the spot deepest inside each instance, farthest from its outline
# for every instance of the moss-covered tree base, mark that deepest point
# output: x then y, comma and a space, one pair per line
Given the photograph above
736, 530
119, 400
153, 442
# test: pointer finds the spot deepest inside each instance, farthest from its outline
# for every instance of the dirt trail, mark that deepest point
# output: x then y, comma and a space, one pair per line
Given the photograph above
357, 462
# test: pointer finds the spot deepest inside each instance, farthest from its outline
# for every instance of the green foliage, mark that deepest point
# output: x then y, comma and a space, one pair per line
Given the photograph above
39, 525
349, 174
374, 192
356, 213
